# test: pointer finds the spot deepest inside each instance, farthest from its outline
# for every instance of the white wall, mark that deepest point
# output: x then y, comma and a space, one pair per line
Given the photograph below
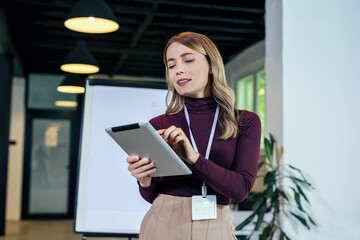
273, 69
321, 106
16, 152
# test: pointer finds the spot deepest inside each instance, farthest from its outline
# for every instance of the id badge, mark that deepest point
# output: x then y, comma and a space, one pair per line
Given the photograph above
203, 207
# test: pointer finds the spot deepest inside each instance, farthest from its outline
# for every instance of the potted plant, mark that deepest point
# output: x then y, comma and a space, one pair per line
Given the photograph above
278, 200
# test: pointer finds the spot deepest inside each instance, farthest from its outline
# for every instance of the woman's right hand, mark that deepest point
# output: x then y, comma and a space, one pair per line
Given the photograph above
141, 168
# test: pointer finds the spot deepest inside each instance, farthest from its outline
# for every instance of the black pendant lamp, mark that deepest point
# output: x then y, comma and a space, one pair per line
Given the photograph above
80, 60
91, 16
73, 83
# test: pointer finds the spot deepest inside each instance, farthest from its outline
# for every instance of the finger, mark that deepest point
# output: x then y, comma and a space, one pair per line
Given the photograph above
138, 164
161, 131
184, 141
146, 173
132, 158
168, 131
138, 173
174, 134
179, 139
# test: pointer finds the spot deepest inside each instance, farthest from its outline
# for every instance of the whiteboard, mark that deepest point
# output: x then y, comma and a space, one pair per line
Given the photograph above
107, 197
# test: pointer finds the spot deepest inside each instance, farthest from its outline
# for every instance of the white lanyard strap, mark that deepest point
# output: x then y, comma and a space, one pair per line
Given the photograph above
212, 133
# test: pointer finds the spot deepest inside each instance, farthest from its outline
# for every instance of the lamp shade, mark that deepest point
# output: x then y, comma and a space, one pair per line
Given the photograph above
91, 16
66, 103
72, 84
80, 60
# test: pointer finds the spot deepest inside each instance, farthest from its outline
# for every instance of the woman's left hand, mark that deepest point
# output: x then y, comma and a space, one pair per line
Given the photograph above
178, 141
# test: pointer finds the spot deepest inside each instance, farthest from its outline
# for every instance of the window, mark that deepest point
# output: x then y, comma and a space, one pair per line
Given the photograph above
250, 95
42, 93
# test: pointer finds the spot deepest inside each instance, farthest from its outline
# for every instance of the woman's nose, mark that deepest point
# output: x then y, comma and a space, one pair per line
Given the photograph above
179, 69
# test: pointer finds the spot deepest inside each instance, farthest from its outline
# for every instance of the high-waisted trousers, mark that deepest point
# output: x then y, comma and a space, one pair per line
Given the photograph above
169, 218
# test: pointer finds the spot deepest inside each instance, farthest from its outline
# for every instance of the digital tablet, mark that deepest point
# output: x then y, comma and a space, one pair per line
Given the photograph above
143, 140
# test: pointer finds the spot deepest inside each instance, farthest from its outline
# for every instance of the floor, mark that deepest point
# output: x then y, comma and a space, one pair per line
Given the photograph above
45, 230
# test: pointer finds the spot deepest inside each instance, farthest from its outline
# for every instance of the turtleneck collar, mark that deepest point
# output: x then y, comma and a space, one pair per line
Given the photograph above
200, 104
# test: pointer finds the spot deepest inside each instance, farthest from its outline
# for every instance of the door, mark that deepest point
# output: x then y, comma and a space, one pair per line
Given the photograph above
51, 147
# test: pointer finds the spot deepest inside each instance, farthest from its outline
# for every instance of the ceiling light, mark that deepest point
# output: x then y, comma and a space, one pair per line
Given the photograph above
72, 84
66, 103
91, 16
80, 60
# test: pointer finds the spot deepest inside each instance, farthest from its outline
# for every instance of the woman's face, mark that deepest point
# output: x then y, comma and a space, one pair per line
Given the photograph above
188, 71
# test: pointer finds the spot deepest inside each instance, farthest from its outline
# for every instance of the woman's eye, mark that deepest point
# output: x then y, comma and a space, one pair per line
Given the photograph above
171, 66
190, 60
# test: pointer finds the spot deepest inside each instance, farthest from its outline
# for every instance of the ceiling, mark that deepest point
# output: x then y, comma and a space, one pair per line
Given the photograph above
41, 40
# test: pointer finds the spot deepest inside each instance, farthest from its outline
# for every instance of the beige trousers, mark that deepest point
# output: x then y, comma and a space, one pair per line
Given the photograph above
169, 218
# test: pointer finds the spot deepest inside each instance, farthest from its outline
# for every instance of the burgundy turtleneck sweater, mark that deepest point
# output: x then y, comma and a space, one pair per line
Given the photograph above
231, 169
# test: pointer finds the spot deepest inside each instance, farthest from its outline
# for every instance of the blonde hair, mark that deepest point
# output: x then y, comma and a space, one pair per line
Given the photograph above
221, 92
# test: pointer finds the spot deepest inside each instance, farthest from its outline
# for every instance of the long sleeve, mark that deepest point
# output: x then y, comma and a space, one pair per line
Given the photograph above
236, 182
149, 193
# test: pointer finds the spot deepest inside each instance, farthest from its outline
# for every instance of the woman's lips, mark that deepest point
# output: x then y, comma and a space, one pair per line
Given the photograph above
183, 81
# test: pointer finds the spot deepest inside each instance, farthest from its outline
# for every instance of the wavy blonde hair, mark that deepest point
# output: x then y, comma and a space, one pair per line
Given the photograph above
222, 93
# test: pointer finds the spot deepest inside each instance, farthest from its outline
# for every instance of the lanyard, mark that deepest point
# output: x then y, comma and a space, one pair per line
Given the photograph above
204, 188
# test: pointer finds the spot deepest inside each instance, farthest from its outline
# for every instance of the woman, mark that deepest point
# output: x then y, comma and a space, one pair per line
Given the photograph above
219, 144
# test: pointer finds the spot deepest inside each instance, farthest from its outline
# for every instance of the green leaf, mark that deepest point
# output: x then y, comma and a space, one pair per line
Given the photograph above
254, 195
301, 192
299, 171
269, 208
301, 219
312, 221
283, 235
262, 209
269, 192
295, 179
276, 194
268, 149
257, 204
284, 195
259, 221
245, 222
272, 232
297, 199
265, 233
291, 166
277, 206
261, 164
272, 139
270, 178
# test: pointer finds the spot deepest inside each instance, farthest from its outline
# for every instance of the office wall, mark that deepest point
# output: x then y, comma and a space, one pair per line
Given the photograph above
319, 90
273, 69
16, 152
